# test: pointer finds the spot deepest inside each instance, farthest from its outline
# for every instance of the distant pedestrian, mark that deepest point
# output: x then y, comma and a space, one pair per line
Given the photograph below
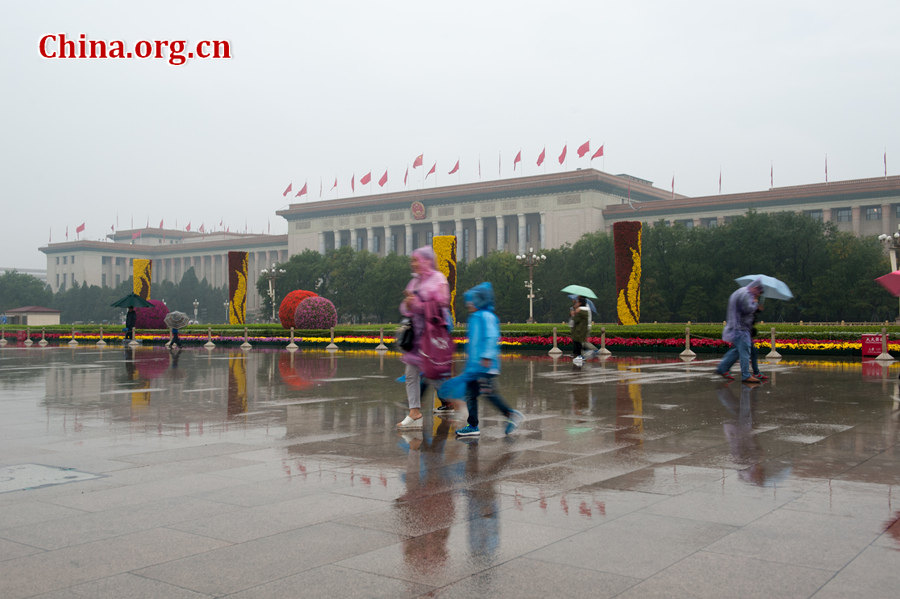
742, 307
580, 314
130, 321
483, 361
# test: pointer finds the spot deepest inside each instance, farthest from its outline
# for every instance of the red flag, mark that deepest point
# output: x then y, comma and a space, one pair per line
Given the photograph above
302, 192
288, 190
433, 167
541, 157
584, 148
406, 176
335, 183
136, 234
365, 179
673, 186
562, 156
188, 227
353, 183
418, 161
517, 159
771, 175
221, 221
383, 179
112, 228
160, 224
598, 153
720, 181
67, 232
202, 228
455, 168
826, 170
79, 228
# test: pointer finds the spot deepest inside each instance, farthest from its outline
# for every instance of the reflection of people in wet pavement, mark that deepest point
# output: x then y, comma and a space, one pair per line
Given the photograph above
427, 504
482, 505
129, 364
745, 448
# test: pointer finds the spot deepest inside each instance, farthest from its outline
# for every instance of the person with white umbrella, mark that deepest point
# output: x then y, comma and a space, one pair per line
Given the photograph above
742, 307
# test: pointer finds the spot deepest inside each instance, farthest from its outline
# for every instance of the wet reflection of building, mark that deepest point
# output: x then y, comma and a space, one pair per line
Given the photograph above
151, 386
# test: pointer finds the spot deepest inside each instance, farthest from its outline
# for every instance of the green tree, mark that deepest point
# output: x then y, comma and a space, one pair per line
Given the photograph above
19, 289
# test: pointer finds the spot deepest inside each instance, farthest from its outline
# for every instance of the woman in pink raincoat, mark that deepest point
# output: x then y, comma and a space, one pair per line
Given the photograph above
428, 284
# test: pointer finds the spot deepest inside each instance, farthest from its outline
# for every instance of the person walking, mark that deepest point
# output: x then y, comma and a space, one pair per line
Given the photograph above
580, 314
742, 307
483, 360
428, 285
130, 321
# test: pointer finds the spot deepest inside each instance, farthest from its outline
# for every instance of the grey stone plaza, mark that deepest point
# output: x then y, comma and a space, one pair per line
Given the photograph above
267, 473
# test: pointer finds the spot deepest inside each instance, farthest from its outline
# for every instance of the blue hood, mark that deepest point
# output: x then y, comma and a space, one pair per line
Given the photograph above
481, 296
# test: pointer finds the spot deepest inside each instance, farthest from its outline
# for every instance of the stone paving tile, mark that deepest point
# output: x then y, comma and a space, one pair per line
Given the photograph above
710, 575
524, 578
240, 567
637, 545
335, 581
53, 570
122, 586
873, 574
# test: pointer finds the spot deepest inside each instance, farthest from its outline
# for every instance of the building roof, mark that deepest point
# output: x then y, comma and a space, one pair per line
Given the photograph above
837, 191
235, 241
32, 310
571, 181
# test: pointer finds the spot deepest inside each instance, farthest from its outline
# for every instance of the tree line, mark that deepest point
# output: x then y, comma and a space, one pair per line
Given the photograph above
687, 274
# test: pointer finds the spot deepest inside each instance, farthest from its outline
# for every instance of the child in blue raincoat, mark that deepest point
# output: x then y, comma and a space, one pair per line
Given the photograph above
482, 363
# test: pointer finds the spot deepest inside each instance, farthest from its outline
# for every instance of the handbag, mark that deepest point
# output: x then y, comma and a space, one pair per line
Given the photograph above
405, 336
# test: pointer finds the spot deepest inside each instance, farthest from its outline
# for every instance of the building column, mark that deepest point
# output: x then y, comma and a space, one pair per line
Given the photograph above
541, 233
370, 239
337, 239
479, 237
407, 245
886, 218
500, 228
855, 212
353, 238
522, 245
322, 242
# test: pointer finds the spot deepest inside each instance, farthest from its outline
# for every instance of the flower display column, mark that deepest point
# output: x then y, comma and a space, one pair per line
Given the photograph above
142, 271
237, 287
627, 242
445, 254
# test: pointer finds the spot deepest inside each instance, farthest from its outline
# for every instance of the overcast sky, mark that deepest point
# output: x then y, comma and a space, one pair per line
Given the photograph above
321, 90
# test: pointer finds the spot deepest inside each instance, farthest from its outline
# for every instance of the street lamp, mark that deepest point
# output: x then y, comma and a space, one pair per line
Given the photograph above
226, 304
196, 305
892, 246
271, 274
530, 260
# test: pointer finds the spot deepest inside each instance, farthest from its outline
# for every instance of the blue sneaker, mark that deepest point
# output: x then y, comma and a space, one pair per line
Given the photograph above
468, 431
515, 419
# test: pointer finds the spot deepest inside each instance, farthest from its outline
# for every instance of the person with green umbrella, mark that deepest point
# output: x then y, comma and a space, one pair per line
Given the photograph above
580, 314
130, 321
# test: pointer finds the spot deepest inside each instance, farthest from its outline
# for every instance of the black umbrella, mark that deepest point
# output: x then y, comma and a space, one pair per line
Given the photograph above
132, 299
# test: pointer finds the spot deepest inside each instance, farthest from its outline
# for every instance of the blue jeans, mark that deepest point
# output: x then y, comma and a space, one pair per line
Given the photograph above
740, 350
483, 386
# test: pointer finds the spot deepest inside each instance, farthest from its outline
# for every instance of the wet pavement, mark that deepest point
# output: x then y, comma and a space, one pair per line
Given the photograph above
225, 473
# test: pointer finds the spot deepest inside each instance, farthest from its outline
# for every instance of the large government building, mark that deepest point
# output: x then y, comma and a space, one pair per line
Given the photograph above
541, 211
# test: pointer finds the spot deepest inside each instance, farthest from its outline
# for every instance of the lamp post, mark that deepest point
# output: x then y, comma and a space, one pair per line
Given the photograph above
196, 305
226, 304
892, 246
271, 274
530, 260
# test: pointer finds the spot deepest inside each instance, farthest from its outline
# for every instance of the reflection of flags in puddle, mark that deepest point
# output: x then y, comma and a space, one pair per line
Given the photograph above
237, 384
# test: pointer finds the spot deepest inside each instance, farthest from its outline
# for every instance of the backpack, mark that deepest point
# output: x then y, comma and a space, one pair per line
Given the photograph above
436, 345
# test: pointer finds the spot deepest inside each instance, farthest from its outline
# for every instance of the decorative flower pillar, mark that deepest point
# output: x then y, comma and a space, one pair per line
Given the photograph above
627, 242
445, 255
237, 287
143, 268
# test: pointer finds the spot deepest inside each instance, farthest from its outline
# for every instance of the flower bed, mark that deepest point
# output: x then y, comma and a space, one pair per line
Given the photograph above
798, 346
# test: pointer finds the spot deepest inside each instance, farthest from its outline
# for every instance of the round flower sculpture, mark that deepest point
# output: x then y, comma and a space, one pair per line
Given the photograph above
315, 313
151, 318
289, 306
